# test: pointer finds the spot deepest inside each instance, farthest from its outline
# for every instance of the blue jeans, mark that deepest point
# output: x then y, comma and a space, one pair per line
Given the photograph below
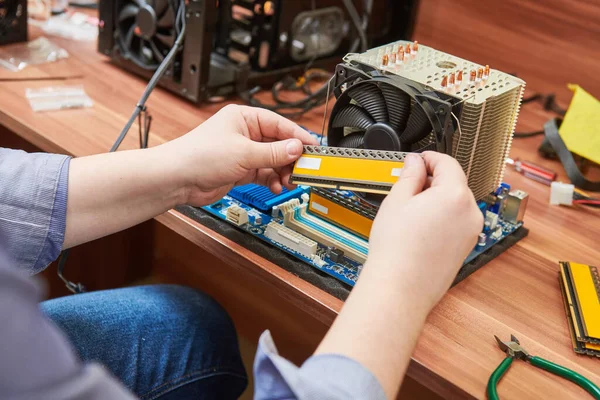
161, 341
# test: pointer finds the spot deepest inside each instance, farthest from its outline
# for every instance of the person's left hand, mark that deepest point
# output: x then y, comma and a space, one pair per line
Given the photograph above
236, 146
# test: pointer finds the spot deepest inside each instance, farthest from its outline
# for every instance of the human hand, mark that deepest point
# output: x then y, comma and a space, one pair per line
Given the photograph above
236, 146
426, 226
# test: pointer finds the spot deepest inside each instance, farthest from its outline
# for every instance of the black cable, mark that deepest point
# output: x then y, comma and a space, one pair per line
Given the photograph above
548, 102
353, 14
144, 126
154, 80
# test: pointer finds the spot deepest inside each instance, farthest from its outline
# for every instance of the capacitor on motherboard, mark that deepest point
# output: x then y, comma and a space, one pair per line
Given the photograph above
482, 239
451, 79
486, 71
408, 50
479, 73
275, 212
486, 227
415, 47
258, 220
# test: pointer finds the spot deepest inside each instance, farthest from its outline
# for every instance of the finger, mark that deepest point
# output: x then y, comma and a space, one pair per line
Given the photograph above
444, 169
265, 124
285, 174
269, 178
271, 155
411, 180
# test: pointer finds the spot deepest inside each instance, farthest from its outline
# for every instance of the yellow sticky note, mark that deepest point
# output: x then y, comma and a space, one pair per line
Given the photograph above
580, 128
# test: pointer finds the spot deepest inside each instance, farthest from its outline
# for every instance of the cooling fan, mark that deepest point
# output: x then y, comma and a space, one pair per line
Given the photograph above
146, 31
379, 113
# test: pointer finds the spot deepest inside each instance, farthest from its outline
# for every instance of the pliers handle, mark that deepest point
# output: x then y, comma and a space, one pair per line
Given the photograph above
514, 350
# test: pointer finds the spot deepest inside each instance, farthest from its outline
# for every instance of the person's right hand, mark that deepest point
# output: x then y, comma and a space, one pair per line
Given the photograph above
426, 226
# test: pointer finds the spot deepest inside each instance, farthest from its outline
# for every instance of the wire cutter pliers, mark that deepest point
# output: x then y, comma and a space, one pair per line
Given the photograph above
514, 350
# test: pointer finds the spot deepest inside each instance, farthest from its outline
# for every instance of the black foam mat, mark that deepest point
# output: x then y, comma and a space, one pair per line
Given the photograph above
310, 274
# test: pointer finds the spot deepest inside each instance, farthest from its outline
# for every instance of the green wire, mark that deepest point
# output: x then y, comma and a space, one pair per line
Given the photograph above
492, 393
566, 373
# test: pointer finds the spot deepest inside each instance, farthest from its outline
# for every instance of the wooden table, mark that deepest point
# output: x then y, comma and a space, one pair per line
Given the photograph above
516, 293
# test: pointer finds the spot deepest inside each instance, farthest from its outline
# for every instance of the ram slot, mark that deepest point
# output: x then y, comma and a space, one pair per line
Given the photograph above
297, 219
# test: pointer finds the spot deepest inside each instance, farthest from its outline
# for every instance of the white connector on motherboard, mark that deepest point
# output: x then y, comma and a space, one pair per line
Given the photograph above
237, 215
291, 239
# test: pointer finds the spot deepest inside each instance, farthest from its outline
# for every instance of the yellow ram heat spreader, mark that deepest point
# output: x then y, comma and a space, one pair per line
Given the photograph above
580, 286
371, 171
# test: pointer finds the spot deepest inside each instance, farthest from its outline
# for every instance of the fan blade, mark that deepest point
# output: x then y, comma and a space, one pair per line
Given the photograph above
370, 98
398, 106
140, 3
129, 11
167, 40
166, 20
155, 50
355, 140
160, 7
352, 116
417, 127
129, 37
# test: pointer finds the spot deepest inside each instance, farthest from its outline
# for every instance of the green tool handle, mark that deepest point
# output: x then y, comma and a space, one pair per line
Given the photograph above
492, 393
566, 373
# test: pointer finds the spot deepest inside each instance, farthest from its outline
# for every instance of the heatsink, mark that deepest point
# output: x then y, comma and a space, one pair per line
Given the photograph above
485, 103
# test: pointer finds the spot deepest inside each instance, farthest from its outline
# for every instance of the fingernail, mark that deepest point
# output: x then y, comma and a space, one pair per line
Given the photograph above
294, 148
410, 160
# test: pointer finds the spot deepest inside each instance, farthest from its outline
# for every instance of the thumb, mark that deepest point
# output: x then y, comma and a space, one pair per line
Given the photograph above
412, 179
273, 154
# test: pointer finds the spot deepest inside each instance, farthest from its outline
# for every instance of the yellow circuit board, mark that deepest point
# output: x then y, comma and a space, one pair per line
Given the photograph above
371, 171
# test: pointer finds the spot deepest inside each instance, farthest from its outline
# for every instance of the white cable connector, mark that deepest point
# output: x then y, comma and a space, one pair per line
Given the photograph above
561, 193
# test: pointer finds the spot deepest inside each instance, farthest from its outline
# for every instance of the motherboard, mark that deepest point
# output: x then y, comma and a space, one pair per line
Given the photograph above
288, 222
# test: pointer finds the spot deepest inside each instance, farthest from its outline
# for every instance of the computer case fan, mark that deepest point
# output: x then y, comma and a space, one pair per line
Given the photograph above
419, 101
13, 21
137, 35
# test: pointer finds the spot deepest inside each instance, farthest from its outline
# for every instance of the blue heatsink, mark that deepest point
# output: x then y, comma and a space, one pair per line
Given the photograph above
261, 197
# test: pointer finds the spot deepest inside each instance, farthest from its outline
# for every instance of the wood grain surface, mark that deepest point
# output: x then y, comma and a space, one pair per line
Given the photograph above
546, 43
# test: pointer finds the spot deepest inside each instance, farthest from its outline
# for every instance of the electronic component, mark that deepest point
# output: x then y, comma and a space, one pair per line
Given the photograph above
258, 220
336, 255
363, 170
580, 286
516, 204
291, 239
342, 211
13, 21
492, 218
481, 241
497, 234
237, 215
296, 218
411, 107
261, 197
561, 193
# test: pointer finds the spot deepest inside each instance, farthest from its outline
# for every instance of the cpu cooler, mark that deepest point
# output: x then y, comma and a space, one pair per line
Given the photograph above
13, 21
417, 101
